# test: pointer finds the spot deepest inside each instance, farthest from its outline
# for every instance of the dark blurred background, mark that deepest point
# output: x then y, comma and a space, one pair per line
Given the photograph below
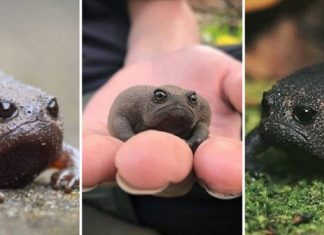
283, 36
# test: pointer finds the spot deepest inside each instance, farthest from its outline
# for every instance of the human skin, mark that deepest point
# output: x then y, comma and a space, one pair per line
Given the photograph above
169, 54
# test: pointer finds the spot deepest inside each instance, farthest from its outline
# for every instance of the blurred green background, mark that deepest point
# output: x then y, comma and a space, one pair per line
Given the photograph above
220, 21
39, 45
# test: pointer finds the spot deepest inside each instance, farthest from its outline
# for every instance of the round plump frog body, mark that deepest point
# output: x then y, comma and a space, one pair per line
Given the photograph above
166, 108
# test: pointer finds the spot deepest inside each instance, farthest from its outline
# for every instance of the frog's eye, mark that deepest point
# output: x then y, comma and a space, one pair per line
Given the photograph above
53, 108
265, 107
192, 97
160, 95
7, 109
304, 115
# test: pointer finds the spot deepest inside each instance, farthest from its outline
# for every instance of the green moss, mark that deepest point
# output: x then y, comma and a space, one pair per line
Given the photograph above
272, 202
274, 196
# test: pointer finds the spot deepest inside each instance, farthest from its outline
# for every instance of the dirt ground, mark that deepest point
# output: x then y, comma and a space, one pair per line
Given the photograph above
39, 210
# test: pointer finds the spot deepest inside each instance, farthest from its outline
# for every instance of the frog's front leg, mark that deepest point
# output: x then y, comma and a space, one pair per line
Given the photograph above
121, 128
68, 175
254, 144
199, 135
2, 198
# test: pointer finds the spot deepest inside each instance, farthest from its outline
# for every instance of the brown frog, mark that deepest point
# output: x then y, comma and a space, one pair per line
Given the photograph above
31, 138
167, 108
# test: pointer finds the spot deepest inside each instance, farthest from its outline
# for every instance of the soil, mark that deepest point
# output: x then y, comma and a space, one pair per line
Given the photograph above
39, 210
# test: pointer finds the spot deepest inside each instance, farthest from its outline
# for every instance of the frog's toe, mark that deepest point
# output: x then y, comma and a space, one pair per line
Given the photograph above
66, 179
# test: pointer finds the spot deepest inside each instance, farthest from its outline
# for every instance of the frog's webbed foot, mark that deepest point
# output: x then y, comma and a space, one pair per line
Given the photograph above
66, 179
2, 198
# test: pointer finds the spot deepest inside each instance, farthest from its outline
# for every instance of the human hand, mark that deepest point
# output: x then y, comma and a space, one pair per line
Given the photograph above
217, 162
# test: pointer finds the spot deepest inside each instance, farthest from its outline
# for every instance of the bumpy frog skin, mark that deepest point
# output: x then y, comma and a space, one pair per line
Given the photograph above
167, 108
292, 116
31, 137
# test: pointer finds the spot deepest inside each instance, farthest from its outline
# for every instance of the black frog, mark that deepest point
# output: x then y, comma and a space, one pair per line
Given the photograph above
292, 117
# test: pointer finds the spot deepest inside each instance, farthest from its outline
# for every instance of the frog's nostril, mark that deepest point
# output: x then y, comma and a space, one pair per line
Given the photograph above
29, 112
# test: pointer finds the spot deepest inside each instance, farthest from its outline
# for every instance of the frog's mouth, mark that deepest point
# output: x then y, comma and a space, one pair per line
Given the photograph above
172, 118
290, 139
26, 151
283, 134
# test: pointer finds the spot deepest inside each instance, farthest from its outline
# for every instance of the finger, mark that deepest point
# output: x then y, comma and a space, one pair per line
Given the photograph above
226, 125
152, 160
218, 164
99, 159
232, 85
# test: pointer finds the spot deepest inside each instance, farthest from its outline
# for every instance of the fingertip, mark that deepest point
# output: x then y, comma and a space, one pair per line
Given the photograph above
218, 164
153, 159
98, 157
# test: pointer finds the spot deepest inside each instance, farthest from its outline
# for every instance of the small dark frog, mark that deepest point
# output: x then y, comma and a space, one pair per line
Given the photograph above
292, 117
167, 108
31, 138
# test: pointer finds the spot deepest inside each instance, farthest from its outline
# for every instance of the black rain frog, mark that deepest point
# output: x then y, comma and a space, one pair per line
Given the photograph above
292, 117
166, 108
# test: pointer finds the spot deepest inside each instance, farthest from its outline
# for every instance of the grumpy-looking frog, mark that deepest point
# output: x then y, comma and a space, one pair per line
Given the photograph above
167, 108
31, 138
292, 117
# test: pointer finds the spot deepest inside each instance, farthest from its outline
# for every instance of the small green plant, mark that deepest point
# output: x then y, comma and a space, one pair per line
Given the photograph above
222, 35
222, 28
